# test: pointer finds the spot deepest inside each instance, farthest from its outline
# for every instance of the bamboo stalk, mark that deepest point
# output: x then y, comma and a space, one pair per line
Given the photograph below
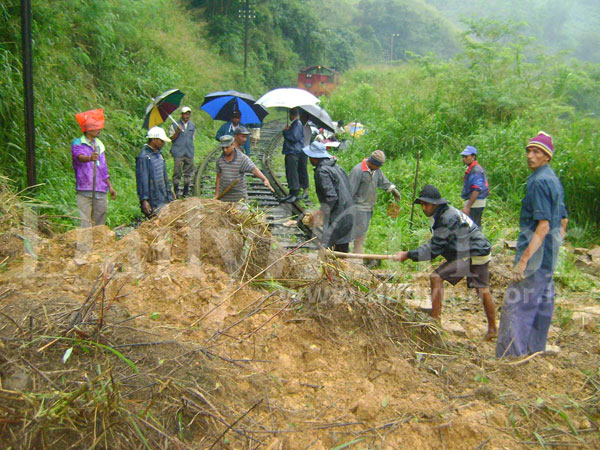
228, 188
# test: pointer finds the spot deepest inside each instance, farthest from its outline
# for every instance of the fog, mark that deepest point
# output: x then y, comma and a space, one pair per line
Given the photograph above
559, 25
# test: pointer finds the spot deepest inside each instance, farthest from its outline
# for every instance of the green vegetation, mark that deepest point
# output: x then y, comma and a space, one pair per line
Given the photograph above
491, 97
114, 54
495, 94
286, 35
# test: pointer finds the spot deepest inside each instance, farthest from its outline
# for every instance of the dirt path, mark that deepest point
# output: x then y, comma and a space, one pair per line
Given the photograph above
303, 355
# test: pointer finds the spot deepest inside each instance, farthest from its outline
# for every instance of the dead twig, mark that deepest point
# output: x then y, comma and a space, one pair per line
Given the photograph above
233, 424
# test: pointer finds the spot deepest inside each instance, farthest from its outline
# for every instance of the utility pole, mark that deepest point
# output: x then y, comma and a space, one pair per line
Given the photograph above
28, 91
246, 13
392, 46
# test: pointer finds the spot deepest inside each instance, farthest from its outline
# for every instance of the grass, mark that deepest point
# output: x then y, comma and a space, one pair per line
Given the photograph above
102, 54
477, 99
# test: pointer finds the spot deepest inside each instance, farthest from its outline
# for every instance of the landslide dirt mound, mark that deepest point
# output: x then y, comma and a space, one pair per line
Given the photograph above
197, 330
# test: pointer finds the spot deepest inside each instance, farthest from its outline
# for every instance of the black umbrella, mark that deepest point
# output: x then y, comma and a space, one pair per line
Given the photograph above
221, 105
319, 117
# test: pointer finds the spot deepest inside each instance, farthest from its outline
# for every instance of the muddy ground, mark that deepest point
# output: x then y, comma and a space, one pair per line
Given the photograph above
197, 330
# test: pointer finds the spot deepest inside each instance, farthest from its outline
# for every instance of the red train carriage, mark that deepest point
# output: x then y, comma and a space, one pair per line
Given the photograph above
318, 80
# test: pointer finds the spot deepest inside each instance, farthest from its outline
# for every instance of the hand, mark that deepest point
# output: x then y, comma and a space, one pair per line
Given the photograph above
146, 208
401, 256
466, 210
308, 219
113, 193
267, 184
94, 156
518, 271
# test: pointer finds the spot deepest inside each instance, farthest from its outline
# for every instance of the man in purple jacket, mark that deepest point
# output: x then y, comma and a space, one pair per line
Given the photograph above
92, 180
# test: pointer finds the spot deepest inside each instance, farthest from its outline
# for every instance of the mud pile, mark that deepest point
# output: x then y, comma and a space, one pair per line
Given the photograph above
196, 329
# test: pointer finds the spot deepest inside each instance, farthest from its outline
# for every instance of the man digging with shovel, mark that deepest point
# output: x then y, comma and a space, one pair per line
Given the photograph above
466, 249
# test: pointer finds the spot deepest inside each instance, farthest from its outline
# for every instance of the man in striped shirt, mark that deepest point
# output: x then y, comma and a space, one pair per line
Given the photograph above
232, 167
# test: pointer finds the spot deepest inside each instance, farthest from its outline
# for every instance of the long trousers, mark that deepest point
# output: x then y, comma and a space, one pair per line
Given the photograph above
291, 173
303, 171
84, 204
183, 166
526, 315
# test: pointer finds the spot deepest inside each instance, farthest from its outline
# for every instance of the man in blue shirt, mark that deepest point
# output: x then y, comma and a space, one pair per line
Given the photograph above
475, 186
153, 187
229, 129
529, 300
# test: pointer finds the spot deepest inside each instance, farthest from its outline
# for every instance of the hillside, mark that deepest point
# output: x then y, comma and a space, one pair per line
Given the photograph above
197, 329
100, 54
558, 25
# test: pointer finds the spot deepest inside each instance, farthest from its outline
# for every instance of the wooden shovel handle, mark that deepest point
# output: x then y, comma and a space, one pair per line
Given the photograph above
361, 255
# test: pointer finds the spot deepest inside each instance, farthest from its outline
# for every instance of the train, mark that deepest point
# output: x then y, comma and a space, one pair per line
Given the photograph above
319, 80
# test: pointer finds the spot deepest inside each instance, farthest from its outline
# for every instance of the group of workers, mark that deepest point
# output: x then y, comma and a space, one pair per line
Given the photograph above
346, 208
347, 205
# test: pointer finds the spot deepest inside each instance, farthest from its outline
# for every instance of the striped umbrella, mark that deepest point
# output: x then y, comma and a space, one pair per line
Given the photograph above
162, 107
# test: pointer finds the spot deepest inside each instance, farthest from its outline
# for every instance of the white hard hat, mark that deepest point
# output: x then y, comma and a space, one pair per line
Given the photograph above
186, 109
157, 133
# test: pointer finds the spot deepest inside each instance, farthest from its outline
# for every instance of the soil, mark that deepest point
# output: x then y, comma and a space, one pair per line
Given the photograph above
241, 345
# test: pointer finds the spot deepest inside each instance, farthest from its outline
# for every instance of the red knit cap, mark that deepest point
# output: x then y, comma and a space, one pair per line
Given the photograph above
90, 120
543, 141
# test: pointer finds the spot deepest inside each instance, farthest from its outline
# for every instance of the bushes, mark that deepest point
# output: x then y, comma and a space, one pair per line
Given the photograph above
488, 98
114, 54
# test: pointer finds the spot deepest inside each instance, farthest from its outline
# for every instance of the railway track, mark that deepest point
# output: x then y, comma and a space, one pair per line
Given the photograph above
276, 213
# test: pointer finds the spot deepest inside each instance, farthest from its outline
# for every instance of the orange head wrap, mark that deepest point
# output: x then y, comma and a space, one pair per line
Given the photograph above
91, 120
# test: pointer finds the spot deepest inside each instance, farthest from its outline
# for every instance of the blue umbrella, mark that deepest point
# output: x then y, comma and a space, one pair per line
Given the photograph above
221, 105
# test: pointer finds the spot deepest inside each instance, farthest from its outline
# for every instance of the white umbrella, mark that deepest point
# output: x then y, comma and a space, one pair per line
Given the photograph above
287, 98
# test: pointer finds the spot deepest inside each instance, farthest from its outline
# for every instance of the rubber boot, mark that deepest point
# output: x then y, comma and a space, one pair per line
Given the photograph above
176, 190
186, 191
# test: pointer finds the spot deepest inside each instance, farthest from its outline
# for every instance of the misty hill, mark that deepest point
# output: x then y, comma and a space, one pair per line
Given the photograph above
558, 25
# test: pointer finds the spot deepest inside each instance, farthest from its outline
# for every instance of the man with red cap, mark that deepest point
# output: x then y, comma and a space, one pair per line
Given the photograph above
529, 300
92, 180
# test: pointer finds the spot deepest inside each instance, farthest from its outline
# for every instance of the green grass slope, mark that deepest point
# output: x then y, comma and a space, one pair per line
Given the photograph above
113, 54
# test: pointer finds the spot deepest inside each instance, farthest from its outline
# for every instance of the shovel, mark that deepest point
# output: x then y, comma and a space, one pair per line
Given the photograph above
394, 210
361, 255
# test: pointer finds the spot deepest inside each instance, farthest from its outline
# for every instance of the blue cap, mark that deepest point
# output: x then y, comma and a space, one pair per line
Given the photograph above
469, 150
316, 150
